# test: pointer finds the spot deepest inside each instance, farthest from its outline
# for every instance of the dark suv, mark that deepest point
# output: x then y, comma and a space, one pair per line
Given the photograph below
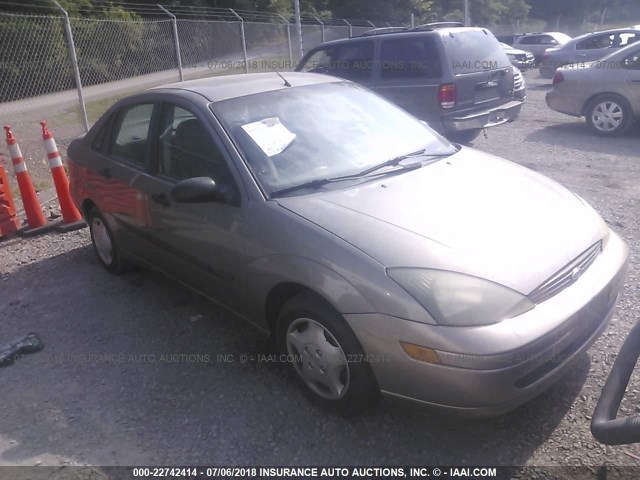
458, 79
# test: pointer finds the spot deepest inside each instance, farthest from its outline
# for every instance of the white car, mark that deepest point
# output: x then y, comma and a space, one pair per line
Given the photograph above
519, 58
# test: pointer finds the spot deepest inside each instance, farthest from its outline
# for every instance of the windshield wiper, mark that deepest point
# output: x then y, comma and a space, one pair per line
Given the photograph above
314, 184
320, 182
392, 162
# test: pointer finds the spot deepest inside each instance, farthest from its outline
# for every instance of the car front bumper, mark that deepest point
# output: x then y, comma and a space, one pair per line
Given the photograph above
565, 102
490, 117
490, 370
524, 64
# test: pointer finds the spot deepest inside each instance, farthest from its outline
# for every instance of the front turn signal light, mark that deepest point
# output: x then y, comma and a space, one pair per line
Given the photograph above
422, 354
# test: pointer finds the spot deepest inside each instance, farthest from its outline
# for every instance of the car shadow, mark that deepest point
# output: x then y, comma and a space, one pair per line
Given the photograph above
575, 134
137, 370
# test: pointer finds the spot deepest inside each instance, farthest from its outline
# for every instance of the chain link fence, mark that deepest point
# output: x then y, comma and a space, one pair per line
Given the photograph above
66, 70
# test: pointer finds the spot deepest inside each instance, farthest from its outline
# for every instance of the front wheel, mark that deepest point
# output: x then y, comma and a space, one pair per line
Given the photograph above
464, 136
608, 115
325, 355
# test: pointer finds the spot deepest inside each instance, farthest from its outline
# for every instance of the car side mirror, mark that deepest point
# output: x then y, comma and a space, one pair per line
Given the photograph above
199, 190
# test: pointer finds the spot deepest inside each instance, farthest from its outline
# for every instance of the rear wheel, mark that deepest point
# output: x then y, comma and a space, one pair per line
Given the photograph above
464, 136
105, 244
325, 355
608, 115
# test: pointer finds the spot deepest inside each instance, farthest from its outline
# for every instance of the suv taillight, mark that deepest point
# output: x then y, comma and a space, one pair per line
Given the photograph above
558, 77
447, 95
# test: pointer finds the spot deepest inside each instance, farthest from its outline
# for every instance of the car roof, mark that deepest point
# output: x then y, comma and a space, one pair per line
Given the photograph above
612, 30
217, 89
401, 34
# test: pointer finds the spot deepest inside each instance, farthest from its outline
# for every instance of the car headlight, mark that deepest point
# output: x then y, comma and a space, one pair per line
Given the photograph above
456, 299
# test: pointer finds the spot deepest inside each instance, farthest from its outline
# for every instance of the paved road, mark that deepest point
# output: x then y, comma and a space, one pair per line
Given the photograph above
133, 373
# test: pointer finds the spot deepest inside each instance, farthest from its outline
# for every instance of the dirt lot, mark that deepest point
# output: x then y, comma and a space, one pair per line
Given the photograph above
124, 377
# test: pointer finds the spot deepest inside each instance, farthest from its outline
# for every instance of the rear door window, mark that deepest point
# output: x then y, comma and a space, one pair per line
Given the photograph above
530, 40
353, 61
625, 38
130, 141
406, 58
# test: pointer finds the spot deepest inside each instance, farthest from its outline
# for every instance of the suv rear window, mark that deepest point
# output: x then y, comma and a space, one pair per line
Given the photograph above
474, 51
409, 58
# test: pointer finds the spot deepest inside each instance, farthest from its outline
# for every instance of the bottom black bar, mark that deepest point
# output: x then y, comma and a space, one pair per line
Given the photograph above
600, 472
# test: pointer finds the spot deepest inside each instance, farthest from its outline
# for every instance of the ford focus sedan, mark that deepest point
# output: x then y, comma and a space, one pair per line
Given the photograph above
378, 256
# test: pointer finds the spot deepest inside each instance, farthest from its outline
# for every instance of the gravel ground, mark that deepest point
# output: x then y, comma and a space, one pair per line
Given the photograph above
109, 389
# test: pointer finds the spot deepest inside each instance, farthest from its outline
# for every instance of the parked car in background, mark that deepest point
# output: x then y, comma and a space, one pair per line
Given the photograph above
280, 200
606, 92
508, 39
519, 86
519, 58
586, 48
457, 79
537, 43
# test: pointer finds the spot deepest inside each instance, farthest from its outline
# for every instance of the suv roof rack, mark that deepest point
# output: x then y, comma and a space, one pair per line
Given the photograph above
433, 26
381, 31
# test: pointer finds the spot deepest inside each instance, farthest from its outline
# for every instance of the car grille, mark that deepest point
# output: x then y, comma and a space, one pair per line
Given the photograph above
521, 56
568, 275
518, 81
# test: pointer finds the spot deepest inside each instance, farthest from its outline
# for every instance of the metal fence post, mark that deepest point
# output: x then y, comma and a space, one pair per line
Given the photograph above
321, 26
288, 39
296, 6
76, 70
369, 22
244, 41
174, 22
350, 27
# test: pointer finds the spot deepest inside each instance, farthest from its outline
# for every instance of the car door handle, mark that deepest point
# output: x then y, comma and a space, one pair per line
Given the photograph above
161, 199
105, 173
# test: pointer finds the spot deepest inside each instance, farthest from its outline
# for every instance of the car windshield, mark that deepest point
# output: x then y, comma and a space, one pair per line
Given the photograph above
298, 135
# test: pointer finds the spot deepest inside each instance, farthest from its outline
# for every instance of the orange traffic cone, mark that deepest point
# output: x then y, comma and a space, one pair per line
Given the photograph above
71, 217
32, 208
9, 221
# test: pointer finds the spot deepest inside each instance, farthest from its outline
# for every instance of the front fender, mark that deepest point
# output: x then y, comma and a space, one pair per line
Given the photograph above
265, 273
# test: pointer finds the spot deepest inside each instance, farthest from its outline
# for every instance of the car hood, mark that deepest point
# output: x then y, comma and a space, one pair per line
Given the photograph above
472, 213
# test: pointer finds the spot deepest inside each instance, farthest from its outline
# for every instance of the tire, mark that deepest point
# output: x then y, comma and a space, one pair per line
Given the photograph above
325, 356
464, 136
608, 115
104, 244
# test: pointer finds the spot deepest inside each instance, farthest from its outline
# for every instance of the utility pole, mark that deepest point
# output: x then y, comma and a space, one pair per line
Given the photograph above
296, 6
467, 20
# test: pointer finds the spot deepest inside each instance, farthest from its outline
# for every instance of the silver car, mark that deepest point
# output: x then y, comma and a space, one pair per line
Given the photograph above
377, 255
538, 43
606, 92
587, 48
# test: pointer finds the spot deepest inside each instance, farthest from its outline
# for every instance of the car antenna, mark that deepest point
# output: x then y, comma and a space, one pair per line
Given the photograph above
286, 83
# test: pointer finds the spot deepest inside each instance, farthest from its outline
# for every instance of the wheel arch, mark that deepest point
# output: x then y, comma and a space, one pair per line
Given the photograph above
593, 97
